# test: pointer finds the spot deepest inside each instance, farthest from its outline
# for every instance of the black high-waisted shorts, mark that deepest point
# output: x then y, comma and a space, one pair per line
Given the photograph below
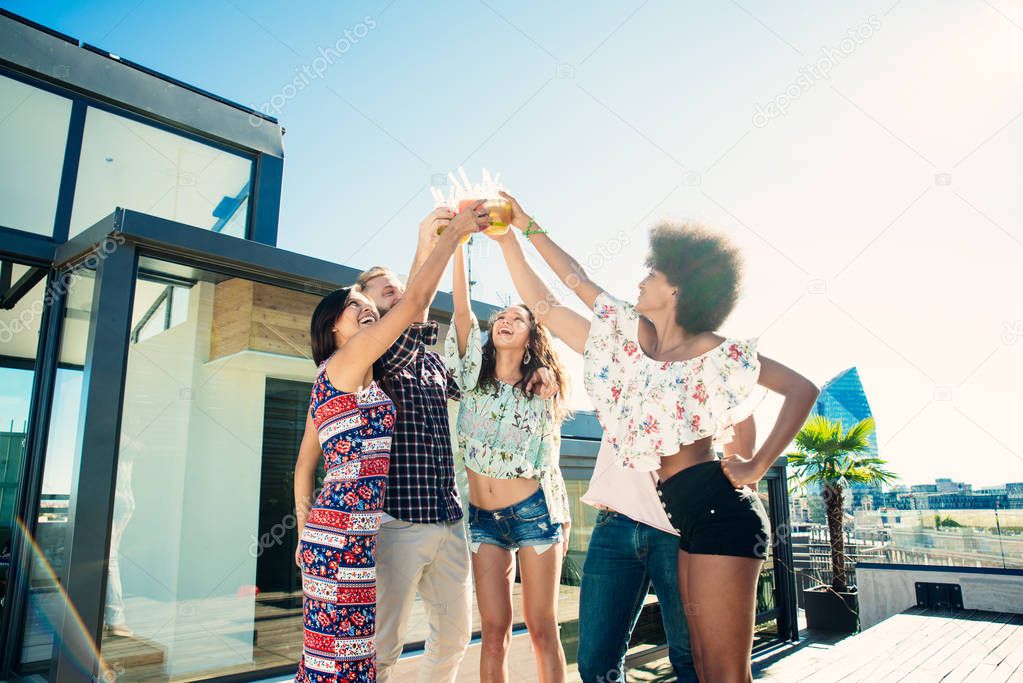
713, 517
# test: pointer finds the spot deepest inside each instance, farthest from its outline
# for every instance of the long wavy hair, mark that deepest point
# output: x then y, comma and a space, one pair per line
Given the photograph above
541, 355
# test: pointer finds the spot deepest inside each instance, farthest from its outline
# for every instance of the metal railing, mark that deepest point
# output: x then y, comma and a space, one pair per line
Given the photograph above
811, 551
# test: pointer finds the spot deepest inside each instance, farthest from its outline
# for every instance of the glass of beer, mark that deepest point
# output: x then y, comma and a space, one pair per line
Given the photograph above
462, 205
500, 216
466, 193
500, 213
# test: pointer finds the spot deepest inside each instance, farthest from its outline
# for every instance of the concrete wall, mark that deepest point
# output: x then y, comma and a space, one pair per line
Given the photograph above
889, 590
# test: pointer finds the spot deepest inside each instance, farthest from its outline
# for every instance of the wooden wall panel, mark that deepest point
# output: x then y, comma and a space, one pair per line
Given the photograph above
260, 317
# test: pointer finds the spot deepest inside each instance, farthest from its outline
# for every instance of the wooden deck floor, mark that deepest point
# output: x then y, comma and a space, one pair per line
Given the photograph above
277, 642
917, 645
522, 665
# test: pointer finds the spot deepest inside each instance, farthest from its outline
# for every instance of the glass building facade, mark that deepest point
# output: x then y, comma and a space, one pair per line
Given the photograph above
844, 398
154, 379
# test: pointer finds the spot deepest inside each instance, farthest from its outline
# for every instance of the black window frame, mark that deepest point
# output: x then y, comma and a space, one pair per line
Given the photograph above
262, 171
139, 236
58, 254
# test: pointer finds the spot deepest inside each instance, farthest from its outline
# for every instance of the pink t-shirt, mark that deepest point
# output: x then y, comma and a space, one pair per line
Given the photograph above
628, 491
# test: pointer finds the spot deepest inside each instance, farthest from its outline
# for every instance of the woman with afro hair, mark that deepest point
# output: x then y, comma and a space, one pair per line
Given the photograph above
667, 388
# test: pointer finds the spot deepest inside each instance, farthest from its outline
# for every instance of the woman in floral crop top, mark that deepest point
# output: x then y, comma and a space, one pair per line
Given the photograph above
509, 438
667, 388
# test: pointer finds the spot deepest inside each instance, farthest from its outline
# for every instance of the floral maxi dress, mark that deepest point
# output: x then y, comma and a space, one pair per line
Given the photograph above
338, 543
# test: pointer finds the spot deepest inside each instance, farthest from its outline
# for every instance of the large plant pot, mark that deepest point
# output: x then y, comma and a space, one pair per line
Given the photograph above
827, 610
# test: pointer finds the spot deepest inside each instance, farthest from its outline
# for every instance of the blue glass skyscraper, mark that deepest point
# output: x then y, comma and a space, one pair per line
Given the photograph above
843, 398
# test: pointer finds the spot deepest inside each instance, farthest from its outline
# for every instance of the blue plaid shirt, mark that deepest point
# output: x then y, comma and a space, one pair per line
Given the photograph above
421, 483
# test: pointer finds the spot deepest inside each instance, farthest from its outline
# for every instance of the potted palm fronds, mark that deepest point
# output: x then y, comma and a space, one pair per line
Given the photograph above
833, 459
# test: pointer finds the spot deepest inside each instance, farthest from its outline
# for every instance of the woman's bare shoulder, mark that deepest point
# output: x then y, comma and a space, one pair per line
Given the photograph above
706, 342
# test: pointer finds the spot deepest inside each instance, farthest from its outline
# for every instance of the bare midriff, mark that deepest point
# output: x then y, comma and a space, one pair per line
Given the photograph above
687, 456
488, 493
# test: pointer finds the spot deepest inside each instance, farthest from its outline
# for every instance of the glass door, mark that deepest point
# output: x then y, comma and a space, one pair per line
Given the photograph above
45, 603
21, 312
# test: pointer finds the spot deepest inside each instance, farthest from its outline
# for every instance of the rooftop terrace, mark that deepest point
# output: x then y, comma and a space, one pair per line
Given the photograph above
917, 645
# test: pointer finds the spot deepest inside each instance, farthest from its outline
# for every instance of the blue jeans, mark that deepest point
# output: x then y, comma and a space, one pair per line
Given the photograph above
623, 560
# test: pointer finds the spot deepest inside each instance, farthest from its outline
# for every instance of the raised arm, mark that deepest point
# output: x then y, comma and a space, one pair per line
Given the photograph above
563, 265
460, 293
563, 322
351, 361
429, 231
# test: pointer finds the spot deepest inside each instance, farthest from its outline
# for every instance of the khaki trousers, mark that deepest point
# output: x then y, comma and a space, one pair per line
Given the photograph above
433, 561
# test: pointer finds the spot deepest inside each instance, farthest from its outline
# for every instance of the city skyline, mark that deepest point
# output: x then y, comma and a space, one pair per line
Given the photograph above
907, 485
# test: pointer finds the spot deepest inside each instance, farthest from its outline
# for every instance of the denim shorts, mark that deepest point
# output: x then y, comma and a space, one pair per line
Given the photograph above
526, 523
712, 516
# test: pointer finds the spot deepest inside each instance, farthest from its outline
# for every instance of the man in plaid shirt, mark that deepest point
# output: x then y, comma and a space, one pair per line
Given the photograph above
421, 547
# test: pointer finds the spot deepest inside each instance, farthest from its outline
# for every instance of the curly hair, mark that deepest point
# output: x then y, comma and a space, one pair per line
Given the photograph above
542, 355
706, 268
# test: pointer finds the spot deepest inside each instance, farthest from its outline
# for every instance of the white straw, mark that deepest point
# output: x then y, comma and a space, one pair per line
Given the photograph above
454, 182
465, 179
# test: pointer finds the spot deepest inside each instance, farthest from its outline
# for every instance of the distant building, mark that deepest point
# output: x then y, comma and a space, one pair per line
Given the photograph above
946, 485
967, 501
799, 509
843, 398
1014, 492
992, 491
12, 453
946, 494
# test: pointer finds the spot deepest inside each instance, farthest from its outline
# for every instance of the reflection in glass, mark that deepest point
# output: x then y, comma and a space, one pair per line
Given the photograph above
33, 134
136, 166
169, 308
201, 577
19, 338
15, 391
44, 608
767, 603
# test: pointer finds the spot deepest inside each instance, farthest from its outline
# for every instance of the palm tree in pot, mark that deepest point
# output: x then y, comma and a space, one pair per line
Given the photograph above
834, 459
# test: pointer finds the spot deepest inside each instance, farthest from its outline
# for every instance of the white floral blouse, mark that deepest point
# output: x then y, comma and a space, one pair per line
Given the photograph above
501, 432
649, 408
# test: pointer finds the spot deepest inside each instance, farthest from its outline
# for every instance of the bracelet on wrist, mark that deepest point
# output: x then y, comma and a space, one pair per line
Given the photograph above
530, 231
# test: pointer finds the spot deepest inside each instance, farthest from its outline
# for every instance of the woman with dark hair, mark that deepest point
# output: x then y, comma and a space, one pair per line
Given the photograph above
667, 388
510, 443
349, 425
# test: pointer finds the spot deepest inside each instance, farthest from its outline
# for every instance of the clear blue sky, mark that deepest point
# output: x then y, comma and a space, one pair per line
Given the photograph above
880, 215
